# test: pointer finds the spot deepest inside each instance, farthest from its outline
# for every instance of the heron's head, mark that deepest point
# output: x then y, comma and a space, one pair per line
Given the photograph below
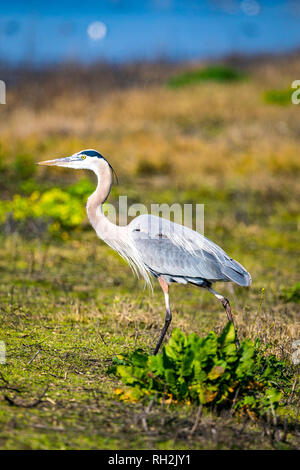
84, 160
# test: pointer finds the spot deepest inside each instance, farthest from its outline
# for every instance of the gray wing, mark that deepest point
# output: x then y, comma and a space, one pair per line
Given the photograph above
181, 254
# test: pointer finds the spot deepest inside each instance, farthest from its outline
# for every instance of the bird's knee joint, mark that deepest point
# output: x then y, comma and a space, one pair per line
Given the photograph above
225, 302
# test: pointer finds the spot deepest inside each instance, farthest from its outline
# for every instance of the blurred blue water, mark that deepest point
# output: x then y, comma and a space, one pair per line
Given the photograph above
37, 32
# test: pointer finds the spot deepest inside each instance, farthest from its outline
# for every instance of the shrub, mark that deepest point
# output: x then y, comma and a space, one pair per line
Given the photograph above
82, 189
56, 211
278, 97
217, 73
210, 371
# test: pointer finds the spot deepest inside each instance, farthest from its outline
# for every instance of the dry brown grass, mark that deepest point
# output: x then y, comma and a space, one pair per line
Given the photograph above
209, 131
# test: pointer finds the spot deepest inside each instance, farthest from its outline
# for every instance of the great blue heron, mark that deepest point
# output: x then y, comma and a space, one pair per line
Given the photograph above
156, 246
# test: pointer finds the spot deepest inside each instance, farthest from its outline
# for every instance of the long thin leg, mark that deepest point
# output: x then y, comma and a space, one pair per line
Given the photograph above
168, 318
226, 305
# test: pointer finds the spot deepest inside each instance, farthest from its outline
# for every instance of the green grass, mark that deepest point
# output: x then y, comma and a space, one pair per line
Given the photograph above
69, 305
69, 308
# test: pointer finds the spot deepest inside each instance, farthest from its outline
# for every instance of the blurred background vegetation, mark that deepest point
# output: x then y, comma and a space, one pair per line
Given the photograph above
223, 133
191, 132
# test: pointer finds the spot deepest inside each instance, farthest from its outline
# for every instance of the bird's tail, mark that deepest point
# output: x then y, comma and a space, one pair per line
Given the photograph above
237, 273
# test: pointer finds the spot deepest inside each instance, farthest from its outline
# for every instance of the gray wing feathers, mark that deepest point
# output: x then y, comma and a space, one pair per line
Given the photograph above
237, 273
177, 251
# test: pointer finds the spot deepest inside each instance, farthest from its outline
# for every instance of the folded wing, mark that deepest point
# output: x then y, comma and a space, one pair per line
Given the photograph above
183, 255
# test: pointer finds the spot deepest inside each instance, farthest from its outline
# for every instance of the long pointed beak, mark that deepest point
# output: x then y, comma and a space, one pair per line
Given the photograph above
59, 161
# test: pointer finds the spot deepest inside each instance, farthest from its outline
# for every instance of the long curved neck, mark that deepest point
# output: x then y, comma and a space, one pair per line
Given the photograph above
99, 196
115, 236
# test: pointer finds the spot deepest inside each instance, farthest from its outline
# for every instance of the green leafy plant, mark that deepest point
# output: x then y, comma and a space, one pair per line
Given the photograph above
210, 371
216, 73
60, 210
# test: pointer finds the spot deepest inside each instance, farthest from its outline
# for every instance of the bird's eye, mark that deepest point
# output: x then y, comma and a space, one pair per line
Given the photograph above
83, 157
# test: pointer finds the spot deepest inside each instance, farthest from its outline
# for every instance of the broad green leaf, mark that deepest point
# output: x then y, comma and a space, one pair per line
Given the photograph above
215, 372
227, 335
170, 378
